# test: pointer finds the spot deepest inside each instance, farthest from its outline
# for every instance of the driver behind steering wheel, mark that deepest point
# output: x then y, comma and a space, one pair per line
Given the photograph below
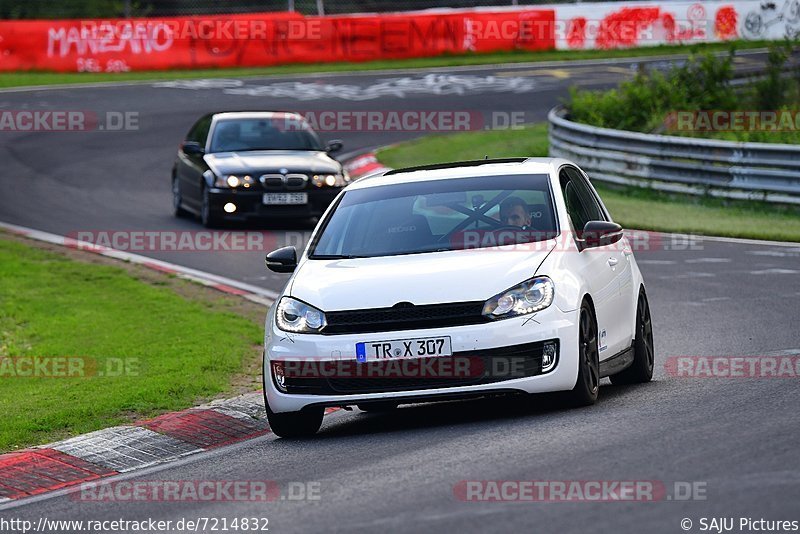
514, 212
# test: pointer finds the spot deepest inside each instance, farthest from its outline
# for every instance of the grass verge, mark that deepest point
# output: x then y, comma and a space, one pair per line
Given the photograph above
33, 78
138, 343
630, 207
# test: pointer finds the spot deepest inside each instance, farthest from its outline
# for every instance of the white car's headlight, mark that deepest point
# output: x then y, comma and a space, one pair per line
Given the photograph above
298, 317
530, 296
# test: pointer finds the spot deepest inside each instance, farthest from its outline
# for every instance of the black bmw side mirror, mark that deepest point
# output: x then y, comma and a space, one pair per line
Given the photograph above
334, 146
282, 260
600, 233
192, 148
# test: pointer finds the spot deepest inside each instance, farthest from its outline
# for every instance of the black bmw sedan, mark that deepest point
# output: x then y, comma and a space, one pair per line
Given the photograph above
246, 165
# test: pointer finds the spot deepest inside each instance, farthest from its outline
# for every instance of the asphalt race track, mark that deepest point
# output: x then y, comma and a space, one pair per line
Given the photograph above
734, 438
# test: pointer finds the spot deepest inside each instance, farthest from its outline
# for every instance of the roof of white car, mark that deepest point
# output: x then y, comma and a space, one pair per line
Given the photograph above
468, 170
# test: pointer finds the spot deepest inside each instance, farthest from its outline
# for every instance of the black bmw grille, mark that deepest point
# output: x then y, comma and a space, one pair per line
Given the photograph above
281, 182
407, 317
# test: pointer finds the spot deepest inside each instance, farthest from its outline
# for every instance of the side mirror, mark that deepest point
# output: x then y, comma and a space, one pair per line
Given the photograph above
282, 260
600, 233
192, 148
334, 146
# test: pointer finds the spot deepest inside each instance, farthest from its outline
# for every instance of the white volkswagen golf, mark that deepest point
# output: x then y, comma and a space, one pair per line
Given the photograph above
451, 281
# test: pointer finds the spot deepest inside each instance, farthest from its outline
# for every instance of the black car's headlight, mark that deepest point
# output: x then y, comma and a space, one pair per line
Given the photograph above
234, 180
331, 180
530, 296
298, 317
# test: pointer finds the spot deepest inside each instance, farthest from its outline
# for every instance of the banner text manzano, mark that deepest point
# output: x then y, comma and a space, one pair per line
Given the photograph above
227, 40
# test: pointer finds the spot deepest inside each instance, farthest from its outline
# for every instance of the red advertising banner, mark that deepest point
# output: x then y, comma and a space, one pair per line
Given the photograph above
119, 45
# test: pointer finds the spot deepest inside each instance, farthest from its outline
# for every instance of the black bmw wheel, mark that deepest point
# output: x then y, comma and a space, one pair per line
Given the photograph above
177, 201
641, 370
207, 216
588, 385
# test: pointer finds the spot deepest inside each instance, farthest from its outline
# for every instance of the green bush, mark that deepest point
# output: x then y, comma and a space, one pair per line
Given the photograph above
702, 83
643, 103
770, 92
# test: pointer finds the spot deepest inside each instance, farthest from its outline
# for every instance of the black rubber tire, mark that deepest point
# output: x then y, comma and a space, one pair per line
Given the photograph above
378, 407
587, 387
641, 370
207, 216
177, 204
302, 424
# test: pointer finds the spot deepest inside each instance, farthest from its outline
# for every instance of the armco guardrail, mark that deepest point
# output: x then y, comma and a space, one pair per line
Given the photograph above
757, 171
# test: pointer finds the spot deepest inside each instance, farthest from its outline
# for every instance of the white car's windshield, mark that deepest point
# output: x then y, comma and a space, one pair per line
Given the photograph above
440, 215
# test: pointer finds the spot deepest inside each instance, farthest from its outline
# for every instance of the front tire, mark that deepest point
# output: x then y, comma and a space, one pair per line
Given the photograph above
300, 424
587, 387
177, 200
207, 215
641, 370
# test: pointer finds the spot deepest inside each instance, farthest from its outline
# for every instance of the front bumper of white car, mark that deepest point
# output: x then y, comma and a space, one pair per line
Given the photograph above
494, 357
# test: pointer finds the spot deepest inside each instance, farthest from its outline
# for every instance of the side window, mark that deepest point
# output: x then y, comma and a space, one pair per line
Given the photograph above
594, 209
575, 208
199, 132
580, 203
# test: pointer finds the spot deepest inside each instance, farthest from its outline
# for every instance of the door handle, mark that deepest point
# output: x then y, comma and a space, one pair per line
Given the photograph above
612, 261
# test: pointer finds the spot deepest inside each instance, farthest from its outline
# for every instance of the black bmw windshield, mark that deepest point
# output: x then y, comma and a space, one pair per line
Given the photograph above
440, 215
232, 135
